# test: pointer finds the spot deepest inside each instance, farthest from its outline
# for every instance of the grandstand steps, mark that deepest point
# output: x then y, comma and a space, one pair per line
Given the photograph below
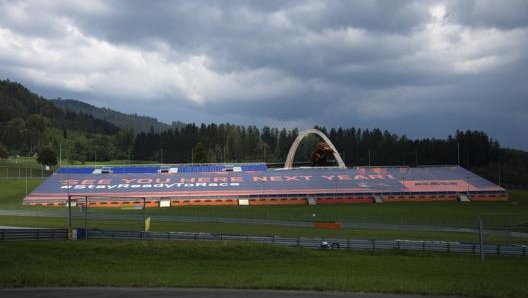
464, 198
378, 199
312, 201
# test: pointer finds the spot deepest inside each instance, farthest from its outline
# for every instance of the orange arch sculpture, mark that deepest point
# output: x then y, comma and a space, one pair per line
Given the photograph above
293, 149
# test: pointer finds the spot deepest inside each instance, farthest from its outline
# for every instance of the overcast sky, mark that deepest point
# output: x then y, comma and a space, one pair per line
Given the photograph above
417, 68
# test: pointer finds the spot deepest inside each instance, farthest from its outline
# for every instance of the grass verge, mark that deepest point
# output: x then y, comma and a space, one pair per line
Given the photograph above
252, 265
252, 229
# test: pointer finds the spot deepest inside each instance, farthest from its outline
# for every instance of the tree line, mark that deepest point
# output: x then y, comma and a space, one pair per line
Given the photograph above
229, 143
235, 143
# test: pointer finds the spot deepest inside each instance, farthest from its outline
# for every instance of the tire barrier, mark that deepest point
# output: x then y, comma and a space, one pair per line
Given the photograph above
33, 234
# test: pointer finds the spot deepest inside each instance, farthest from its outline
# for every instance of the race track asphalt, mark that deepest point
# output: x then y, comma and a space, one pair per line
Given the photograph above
187, 292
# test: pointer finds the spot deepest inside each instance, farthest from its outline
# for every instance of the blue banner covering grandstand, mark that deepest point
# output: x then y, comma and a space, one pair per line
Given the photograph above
255, 184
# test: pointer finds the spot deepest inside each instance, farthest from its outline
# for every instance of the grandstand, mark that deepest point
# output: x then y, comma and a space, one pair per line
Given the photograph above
256, 184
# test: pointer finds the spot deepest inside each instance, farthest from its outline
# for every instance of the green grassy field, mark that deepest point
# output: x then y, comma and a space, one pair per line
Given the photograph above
249, 229
250, 265
448, 214
22, 167
13, 192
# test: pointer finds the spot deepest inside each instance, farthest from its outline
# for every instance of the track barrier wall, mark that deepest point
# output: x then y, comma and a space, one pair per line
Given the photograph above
315, 243
33, 234
301, 242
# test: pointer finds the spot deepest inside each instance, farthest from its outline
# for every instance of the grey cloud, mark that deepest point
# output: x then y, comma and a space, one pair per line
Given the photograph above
506, 15
387, 64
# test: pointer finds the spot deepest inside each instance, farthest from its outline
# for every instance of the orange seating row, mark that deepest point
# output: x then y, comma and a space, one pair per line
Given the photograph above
45, 204
111, 204
344, 200
202, 202
419, 198
281, 201
490, 197
278, 201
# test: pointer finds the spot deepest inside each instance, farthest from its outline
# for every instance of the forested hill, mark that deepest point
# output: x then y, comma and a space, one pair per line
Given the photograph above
123, 121
19, 104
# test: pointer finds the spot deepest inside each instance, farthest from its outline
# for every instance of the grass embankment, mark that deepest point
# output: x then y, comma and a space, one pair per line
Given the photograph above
17, 168
249, 229
13, 191
249, 265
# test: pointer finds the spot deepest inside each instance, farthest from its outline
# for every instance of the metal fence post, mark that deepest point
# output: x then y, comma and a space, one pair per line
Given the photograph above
86, 218
481, 238
70, 236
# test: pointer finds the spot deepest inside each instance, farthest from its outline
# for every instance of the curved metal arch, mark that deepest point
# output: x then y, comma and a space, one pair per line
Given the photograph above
293, 149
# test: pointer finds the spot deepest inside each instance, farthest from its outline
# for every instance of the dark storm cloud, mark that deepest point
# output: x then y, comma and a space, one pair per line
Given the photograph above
419, 68
508, 14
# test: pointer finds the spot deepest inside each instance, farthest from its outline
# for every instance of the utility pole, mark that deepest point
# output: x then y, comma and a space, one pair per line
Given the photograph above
458, 153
